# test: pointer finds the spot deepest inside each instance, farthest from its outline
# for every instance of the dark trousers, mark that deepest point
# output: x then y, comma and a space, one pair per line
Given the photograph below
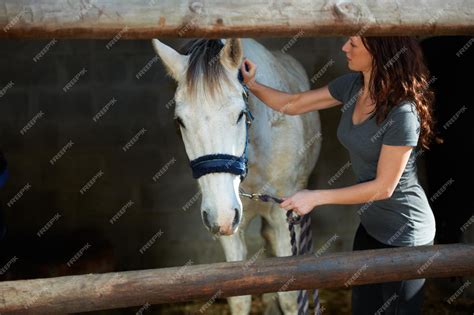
401, 297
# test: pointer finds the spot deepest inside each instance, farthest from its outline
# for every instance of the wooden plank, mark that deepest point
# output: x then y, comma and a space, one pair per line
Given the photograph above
140, 19
189, 282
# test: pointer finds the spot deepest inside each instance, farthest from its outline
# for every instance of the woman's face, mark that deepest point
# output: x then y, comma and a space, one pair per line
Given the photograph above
358, 57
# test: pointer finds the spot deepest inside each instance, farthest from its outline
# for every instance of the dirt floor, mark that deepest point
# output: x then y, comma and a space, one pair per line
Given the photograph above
334, 301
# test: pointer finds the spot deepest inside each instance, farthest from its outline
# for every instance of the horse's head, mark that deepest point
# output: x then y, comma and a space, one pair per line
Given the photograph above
212, 117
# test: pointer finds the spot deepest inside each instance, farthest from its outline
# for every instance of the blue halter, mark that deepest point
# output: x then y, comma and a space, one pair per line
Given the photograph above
226, 163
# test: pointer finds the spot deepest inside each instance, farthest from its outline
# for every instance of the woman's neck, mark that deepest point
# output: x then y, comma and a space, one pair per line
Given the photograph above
366, 75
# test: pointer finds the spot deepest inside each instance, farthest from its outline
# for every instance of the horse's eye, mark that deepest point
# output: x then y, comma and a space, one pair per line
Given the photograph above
240, 116
179, 121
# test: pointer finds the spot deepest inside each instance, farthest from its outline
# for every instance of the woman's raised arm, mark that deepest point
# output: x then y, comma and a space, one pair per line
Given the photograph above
287, 103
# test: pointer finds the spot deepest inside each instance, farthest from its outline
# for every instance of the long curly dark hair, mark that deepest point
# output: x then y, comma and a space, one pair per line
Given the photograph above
399, 74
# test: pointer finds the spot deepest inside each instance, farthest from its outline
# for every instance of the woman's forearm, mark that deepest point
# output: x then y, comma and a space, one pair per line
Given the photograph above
355, 194
277, 100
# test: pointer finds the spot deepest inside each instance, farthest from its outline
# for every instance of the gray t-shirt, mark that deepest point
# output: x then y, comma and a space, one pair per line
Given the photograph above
406, 218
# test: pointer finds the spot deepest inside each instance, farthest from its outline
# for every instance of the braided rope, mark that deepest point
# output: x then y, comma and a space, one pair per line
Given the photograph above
291, 227
309, 249
305, 245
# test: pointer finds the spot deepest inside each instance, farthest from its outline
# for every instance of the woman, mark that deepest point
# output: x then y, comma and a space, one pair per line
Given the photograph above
386, 114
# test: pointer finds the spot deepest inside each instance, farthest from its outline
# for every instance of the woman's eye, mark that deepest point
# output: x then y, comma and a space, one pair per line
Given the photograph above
352, 45
240, 116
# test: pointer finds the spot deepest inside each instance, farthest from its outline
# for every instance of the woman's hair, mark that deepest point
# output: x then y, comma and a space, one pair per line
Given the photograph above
399, 74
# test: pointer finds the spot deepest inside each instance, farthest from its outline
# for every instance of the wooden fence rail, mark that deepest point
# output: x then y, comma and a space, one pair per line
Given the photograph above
190, 282
139, 19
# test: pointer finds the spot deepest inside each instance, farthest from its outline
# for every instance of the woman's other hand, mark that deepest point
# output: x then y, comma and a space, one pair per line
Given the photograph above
248, 70
301, 202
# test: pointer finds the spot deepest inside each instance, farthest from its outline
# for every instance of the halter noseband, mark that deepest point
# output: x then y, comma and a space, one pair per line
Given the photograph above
226, 163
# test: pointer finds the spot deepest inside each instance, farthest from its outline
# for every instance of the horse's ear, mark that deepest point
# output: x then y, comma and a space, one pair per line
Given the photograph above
174, 62
232, 53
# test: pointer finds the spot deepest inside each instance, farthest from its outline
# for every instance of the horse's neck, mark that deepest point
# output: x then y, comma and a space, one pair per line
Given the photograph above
268, 74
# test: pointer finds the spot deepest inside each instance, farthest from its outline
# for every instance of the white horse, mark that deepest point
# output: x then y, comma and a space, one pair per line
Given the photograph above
282, 149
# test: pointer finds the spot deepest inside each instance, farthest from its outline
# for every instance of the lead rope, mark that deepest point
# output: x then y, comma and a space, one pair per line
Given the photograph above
305, 245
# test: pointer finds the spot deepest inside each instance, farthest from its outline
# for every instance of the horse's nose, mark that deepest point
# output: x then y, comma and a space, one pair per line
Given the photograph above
213, 227
236, 220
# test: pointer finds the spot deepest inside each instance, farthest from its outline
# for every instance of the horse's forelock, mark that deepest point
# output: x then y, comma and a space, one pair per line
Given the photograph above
205, 70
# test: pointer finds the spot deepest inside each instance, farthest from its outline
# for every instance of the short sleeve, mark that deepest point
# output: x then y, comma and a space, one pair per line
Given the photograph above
340, 87
402, 126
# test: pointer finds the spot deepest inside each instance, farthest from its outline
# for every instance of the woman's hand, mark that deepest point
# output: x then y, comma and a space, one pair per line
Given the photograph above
248, 75
301, 202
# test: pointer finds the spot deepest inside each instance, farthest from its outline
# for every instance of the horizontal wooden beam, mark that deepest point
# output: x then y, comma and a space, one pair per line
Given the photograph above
135, 288
141, 19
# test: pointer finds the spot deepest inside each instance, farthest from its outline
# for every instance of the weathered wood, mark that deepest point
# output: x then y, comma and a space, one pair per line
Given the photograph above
139, 19
135, 288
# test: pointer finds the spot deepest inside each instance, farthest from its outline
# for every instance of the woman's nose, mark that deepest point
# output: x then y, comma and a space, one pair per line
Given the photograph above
345, 47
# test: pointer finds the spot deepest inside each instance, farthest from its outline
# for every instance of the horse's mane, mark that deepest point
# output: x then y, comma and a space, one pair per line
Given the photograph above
204, 67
